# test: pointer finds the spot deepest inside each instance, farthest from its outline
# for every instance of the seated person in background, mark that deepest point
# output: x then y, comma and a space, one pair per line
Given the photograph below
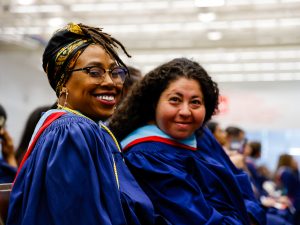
252, 152
288, 180
235, 143
217, 131
276, 206
157, 127
8, 163
31, 122
211, 150
135, 76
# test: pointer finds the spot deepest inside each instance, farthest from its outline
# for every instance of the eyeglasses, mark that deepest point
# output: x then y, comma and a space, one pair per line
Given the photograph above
117, 74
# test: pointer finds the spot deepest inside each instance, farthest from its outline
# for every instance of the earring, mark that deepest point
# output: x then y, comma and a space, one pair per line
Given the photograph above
66, 99
63, 90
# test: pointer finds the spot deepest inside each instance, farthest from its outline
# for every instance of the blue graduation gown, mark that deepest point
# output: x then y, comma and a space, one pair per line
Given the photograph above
290, 182
213, 152
7, 172
69, 179
184, 188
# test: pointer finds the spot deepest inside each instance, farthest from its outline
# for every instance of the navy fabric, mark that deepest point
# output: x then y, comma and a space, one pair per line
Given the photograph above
137, 207
7, 172
185, 188
290, 181
255, 177
69, 179
212, 151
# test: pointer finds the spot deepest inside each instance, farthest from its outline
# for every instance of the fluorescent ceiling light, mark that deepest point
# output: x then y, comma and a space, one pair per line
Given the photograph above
294, 151
251, 66
25, 2
267, 66
37, 9
238, 2
209, 3
267, 55
218, 25
265, 2
55, 22
289, 54
132, 6
287, 1
253, 77
182, 4
214, 35
248, 55
237, 77
241, 24
286, 76
21, 30
161, 27
268, 77
144, 5
288, 66
90, 7
207, 17
266, 23
289, 22
193, 26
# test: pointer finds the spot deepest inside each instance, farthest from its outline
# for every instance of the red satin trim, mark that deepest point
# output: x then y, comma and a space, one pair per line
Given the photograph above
159, 139
46, 123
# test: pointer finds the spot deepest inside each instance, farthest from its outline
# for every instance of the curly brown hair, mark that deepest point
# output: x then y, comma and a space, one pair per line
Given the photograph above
139, 107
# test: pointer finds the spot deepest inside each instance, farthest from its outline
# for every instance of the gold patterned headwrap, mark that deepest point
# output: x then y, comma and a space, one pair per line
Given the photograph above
62, 52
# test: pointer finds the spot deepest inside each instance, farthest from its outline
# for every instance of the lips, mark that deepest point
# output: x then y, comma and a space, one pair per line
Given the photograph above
106, 99
184, 123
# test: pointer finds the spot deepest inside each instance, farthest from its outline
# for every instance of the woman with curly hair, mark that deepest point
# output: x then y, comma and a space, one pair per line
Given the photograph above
157, 126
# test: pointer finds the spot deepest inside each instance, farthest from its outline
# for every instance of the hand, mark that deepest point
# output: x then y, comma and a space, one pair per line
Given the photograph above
285, 200
8, 148
238, 160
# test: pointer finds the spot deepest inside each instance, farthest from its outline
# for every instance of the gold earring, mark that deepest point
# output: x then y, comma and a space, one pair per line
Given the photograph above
63, 90
66, 99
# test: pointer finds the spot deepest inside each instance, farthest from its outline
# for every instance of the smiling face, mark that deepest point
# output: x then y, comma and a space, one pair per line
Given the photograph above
94, 97
180, 109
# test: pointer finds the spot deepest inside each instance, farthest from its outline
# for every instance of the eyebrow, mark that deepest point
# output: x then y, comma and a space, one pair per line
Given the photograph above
100, 64
181, 95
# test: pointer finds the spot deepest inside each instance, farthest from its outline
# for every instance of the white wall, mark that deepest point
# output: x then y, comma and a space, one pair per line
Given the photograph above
23, 87
257, 105
268, 112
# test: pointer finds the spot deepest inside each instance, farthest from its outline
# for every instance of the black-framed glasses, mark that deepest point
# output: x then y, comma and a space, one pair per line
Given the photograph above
117, 74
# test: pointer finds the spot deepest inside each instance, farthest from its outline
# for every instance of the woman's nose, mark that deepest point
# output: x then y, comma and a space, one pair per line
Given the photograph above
185, 110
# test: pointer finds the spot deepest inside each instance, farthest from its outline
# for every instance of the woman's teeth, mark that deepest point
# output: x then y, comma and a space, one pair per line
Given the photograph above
106, 97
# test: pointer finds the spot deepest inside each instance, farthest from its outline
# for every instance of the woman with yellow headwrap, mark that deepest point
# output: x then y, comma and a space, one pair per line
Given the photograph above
73, 171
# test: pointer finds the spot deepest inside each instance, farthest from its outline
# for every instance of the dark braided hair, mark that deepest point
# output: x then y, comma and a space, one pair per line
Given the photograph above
138, 109
67, 44
105, 40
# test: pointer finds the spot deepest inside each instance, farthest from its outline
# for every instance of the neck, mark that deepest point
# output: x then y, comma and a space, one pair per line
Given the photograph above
71, 110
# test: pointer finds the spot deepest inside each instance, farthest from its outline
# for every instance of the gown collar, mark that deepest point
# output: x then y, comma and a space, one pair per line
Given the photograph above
153, 133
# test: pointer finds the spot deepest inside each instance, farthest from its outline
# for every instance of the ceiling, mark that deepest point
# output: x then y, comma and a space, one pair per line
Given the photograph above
235, 40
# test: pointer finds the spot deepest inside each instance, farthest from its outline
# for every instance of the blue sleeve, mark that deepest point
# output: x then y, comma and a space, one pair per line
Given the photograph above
254, 207
68, 179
